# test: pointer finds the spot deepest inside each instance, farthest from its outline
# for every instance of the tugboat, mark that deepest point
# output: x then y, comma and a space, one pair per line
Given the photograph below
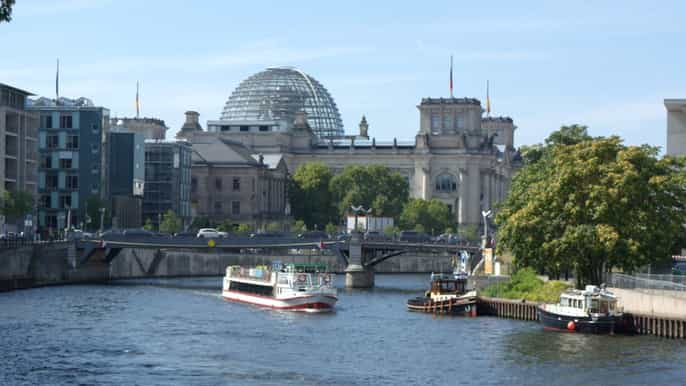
294, 287
448, 294
591, 310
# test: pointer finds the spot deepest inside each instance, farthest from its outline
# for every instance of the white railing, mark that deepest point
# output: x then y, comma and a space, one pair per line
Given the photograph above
643, 281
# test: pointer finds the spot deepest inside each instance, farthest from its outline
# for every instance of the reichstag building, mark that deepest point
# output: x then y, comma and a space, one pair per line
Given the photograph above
459, 155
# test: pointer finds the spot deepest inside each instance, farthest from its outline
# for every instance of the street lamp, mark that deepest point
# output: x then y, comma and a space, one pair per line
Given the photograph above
102, 218
361, 209
486, 214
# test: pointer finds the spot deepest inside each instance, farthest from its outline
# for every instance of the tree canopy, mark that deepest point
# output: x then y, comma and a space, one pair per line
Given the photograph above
171, 223
6, 10
428, 216
15, 204
373, 186
310, 196
586, 205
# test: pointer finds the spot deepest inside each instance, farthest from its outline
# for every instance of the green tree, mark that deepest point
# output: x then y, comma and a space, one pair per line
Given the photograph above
587, 205
15, 204
6, 10
171, 223
331, 228
373, 186
200, 222
273, 227
310, 196
93, 206
148, 226
431, 216
468, 232
299, 226
243, 228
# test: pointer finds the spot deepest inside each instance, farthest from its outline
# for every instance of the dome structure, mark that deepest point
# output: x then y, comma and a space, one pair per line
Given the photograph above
278, 94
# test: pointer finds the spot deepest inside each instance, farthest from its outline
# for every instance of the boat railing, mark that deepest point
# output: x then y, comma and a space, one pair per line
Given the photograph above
260, 274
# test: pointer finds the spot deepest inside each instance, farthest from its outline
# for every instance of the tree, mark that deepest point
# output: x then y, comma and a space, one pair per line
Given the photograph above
373, 186
243, 228
93, 206
200, 222
433, 215
310, 196
148, 226
331, 228
273, 227
590, 204
15, 204
6, 10
299, 226
171, 223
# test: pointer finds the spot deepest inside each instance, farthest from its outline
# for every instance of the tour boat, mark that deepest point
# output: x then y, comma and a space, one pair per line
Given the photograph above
591, 310
293, 287
448, 294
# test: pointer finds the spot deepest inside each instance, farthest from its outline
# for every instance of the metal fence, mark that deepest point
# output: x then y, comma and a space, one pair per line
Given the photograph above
648, 282
19, 242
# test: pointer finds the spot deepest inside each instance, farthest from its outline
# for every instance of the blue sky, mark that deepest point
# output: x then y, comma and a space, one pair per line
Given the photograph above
608, 65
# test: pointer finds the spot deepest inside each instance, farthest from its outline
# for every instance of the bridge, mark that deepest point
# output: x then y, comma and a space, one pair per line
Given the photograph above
358, 256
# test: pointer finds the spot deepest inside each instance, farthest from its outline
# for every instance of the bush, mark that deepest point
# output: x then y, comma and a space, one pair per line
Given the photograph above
524, 284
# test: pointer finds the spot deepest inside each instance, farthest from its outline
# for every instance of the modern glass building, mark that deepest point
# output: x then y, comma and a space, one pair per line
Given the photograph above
167, 180
71, 138
269, 101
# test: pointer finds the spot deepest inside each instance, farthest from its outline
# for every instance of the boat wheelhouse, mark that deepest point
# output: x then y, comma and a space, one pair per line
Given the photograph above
448, 294
591, 310
294, 287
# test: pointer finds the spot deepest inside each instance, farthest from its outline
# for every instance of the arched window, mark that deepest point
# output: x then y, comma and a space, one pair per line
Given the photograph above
446, 183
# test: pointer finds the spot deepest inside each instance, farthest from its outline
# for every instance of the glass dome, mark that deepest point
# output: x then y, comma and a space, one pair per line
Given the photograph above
277, 94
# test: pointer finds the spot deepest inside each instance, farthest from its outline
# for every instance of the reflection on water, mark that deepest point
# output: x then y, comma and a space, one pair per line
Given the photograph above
181, 331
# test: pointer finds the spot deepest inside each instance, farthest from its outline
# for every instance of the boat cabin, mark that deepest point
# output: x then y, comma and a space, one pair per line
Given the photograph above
592, 300
448, 284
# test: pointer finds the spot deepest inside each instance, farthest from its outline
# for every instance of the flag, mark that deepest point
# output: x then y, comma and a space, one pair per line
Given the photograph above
451, 76
488, 101
137, 107
321, 244
57, 83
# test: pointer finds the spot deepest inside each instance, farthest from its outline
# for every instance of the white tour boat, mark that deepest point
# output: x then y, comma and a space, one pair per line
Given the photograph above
294, 287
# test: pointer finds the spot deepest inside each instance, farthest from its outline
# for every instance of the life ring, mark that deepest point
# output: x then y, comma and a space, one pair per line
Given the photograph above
326, 279
301, 278
468, 308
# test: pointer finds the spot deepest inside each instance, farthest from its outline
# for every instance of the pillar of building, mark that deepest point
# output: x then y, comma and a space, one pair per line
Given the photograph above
473, 195
462, 196
357, 275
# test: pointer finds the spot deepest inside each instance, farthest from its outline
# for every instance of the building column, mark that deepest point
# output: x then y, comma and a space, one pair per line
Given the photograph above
462, 196
473, 210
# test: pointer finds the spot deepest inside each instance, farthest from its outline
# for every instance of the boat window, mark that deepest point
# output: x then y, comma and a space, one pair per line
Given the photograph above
594, 305
604, 307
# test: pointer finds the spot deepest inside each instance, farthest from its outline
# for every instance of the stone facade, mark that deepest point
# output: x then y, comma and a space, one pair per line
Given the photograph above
18, 147
458, 156
230, 183
676, 126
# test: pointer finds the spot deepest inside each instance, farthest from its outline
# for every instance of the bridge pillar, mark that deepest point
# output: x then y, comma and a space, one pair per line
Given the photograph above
357, 275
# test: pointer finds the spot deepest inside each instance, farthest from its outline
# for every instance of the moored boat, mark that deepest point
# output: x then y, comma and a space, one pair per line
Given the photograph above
448, 294
293, 287
591, 310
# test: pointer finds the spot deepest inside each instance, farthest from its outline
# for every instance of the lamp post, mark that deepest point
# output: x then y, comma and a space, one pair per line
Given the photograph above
102, 218
361, 209
486, 214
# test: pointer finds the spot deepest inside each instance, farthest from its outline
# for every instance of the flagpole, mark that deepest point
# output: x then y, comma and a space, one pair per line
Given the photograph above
57, 83
137, 103
488, 100
451, 76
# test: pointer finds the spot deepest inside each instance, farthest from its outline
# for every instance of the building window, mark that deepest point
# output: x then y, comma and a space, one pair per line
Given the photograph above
218, 206
459, 121
447, 120
450, 208
52, 141
65, 122
94, 148
94, 128
51, 181
225, 128
435, 121
236, 184
46, 162
72, 182
45, 201
253, 185
51, 221
46, 121
95, 169
65, 201
235, 208
264, 128
72, 142
218, 184
194, 184
245, 128
446, 183
65, 164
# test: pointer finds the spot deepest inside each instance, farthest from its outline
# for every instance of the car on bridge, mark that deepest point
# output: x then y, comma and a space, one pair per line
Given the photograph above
208, 233
375, 236
136, 232
314, 235
259, 235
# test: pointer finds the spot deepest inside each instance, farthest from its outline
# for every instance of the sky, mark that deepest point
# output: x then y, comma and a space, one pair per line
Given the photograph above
604, 64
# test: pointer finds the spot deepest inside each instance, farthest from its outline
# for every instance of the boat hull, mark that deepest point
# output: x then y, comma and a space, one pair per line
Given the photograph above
557, 322
314, 303
455, 306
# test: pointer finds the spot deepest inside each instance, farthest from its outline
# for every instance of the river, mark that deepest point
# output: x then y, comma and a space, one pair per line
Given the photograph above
181, 332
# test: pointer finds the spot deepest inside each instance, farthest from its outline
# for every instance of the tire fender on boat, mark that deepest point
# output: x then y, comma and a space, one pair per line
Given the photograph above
571, 326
